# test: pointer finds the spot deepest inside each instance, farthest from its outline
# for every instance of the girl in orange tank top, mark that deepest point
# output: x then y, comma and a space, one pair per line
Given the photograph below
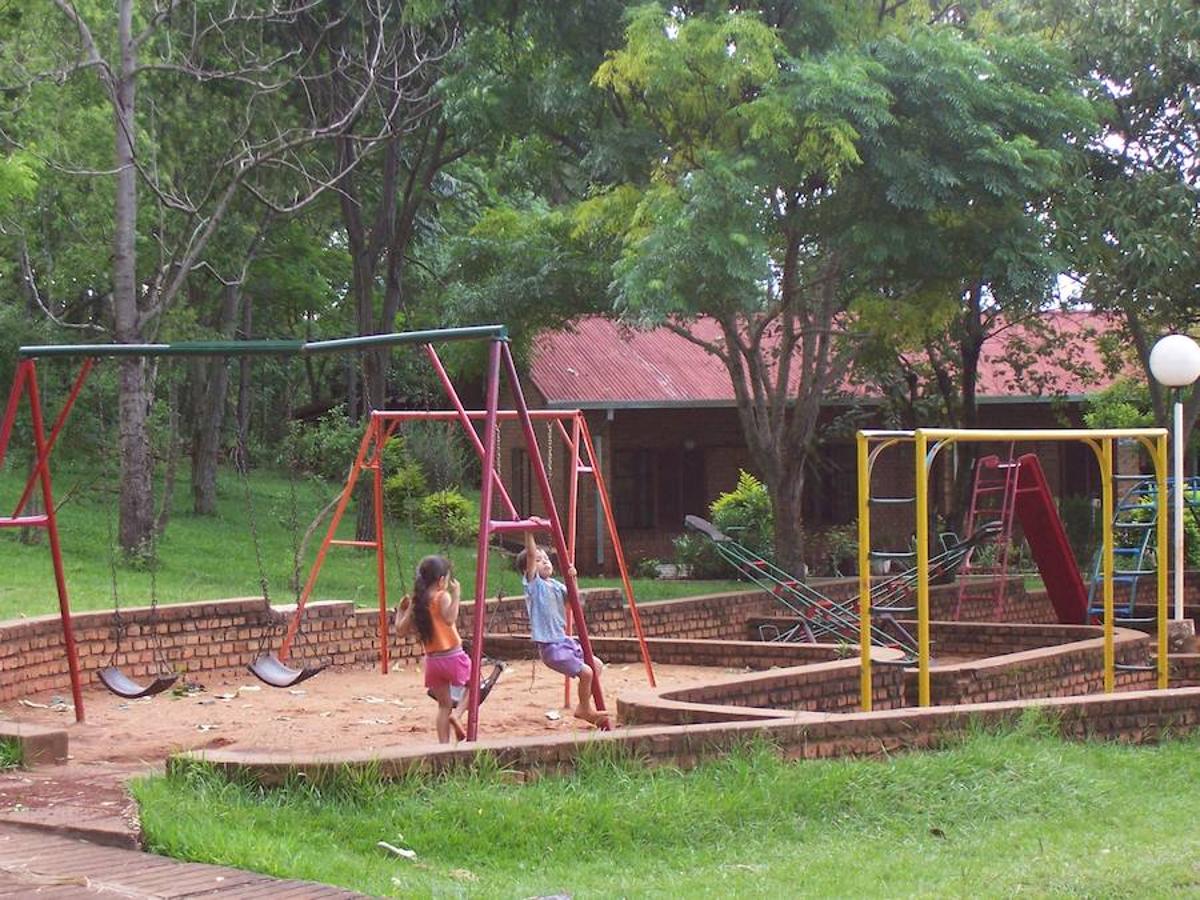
433, 614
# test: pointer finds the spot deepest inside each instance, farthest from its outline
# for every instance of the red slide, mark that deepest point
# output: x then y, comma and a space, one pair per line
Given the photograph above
1048, 541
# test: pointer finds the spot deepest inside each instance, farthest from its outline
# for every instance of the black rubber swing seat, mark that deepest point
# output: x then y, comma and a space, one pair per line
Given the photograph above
269, 669
459, 693
124, 686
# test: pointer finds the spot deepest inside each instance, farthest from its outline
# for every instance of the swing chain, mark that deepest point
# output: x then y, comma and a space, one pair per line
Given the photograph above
254, 536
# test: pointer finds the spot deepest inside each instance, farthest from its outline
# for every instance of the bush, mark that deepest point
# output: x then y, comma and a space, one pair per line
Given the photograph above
745, 514
326, 448
696, 555
447, 517
1132, 537
403, 488
646, 568
443, 453
839, 549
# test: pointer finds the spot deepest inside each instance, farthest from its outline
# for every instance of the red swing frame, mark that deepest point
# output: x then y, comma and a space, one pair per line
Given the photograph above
499, 356
380, 429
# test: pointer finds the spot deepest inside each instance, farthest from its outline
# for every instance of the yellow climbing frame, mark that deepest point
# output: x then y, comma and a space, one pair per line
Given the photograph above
927, 443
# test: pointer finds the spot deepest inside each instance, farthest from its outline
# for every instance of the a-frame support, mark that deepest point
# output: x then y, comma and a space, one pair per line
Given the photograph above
25, 385
370, 454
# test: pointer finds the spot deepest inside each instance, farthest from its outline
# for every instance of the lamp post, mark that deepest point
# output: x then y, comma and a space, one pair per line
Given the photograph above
1175, 363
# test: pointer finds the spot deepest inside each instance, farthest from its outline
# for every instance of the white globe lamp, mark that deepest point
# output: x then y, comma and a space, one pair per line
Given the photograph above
1175, 363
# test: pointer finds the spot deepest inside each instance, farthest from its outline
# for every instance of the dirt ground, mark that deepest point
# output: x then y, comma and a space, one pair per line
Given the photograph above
343, 708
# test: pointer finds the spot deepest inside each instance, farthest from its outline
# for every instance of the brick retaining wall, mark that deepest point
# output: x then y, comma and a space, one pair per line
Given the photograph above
1137, 717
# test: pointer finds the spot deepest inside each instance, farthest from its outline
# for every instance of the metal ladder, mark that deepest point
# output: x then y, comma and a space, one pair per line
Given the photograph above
993, 508
1134, 526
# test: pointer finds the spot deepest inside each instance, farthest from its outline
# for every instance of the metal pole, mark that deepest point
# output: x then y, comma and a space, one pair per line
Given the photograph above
60, 576
380, 439
1160, 605
922, 529
485, 531
1177, 506
864, 572
1107, 555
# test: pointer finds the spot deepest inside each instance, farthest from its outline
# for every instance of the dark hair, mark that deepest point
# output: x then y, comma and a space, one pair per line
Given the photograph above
523, 557
429, 571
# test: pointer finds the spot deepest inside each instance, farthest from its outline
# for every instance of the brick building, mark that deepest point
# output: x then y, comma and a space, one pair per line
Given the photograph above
662, 415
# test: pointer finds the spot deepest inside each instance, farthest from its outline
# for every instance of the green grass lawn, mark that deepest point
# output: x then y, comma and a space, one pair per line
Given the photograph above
997, 815
209, 557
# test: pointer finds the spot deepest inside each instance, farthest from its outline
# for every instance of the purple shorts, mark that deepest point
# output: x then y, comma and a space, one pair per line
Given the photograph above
565, 656
451, 667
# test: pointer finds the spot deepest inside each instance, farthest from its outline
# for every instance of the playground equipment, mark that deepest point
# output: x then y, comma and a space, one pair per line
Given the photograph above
382, 428
993, 500
1006, 492
1135, 523
1033, 504
25, 386
819, 616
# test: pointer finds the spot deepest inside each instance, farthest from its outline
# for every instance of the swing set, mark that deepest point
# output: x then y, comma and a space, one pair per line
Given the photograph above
274, 667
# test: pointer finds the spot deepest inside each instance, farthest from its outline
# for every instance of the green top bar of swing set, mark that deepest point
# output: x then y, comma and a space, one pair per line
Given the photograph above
270, 348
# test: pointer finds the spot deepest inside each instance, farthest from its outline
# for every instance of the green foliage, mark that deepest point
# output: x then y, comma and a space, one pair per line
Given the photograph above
11, 755
1080, 519
403, 488
839, 546
745, 514
1123, 404
326, 448
647, 567
1146, 511
18, 179
447, 517
443, 454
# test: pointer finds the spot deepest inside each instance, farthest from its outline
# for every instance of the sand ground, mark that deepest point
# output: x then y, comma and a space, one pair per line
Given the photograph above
337, 709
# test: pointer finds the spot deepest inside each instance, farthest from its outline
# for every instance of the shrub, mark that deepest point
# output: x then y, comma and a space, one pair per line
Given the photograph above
403, 488
839, 549
443, 454
696, 555
646, 568
745, 514
326, 448
447, 517
1132, 537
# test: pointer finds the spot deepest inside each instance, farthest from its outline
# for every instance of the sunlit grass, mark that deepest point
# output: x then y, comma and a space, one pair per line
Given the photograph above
1019, 812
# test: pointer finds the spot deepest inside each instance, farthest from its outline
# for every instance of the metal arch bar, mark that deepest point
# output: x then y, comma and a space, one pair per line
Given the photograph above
438, 335
269, 347
185, 348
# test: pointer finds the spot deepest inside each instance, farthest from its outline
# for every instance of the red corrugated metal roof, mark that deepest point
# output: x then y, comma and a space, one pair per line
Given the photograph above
601, 363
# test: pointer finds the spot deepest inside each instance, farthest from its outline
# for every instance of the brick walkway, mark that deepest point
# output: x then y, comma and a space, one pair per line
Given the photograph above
42, 864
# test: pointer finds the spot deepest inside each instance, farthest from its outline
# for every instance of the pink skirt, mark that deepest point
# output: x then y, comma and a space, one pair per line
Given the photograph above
451, 667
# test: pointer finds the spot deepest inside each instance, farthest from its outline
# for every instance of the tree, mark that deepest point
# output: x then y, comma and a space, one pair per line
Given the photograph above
808, 165
250, 63
1130, 224
964, 250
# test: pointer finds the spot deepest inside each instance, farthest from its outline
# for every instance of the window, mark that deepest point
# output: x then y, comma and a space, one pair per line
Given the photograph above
633, 488
522, 481
657, 488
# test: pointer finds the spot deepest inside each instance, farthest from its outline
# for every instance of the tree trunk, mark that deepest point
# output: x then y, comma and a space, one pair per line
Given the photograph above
137, 500
970, 349
210, 413
787, 497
